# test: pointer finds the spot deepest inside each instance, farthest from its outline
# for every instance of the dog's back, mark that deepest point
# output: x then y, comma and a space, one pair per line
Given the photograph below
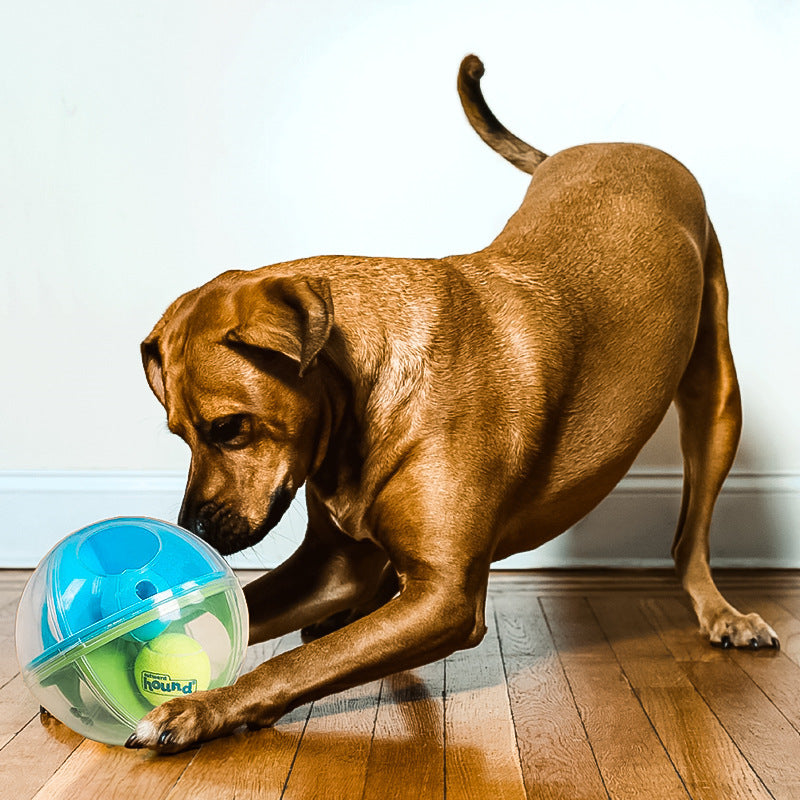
620, 235
617, 236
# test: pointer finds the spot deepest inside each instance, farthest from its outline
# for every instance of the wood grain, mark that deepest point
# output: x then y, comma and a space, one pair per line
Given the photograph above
557, 759
33, 756
589, 684
332, 758
17, 709
97, 771
631, 757
723, 679
783, 615
9, 598
408, 741
775, 673
481, 758
751, 720
692, 735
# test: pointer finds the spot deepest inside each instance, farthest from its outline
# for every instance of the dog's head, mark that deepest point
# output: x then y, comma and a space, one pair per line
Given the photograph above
233, 365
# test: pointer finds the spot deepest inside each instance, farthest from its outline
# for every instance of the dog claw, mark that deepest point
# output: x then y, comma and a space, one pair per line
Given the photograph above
165, 738
754, 644
776, 643
133, 743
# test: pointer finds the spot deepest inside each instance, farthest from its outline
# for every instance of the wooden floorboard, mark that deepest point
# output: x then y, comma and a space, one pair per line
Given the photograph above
332, 756
556, 756
408, 742
589, 684
696, 741
629, 753
481, 758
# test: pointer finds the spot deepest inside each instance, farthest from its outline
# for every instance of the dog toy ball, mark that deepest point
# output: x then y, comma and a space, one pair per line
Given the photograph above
171, 665
123, 615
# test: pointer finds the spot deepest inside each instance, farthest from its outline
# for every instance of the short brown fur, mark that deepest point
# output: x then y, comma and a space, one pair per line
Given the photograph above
446, 413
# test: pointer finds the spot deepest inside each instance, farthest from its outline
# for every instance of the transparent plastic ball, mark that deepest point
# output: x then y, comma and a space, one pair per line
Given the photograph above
110, 591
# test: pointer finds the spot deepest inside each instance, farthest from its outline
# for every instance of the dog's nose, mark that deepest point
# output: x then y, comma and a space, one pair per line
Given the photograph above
200, 528
188, 520
204, 520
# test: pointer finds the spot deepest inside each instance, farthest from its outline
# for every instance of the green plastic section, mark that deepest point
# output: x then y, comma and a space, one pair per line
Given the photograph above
109, 670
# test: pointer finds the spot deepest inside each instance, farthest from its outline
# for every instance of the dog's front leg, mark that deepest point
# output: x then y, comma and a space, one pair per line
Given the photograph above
439, 610
420, 625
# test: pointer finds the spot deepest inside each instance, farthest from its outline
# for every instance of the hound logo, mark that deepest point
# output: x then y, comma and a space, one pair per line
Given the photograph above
163, 684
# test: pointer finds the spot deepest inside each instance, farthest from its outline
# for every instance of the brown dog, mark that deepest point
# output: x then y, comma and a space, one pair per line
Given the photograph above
446, 413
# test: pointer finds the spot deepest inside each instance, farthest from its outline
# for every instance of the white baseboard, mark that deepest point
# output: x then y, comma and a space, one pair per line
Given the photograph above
756, 523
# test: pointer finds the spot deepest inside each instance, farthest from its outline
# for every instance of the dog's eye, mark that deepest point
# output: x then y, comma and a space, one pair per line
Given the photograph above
231, 431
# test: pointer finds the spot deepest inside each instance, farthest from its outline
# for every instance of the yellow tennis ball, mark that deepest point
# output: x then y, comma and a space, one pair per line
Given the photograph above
171, 665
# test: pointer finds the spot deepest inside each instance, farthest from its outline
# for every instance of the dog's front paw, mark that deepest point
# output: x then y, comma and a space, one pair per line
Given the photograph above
183, 723
729, 628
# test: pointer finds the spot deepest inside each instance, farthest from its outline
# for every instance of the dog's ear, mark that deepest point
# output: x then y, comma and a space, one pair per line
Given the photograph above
292, 316
153, 365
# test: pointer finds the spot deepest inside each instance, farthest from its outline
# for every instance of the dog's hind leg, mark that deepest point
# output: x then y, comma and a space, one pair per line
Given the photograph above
710, 413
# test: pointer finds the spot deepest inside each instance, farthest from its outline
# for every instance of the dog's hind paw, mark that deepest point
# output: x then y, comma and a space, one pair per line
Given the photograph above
731, 629
333, 623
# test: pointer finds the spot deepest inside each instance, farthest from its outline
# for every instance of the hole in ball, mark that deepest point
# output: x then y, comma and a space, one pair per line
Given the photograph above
145, 589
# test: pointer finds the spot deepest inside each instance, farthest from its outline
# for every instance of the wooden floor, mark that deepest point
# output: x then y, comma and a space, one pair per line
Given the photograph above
588, 685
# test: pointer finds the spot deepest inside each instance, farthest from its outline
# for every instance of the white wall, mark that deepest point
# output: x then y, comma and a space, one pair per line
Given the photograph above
147, 146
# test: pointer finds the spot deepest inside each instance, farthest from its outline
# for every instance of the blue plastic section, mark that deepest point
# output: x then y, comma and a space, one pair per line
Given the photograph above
116, 570
119, 548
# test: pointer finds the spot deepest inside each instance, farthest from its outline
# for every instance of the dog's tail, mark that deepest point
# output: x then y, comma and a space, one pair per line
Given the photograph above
486, 124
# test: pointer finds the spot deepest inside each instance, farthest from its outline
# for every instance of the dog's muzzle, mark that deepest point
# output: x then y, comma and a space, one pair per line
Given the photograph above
226, 530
